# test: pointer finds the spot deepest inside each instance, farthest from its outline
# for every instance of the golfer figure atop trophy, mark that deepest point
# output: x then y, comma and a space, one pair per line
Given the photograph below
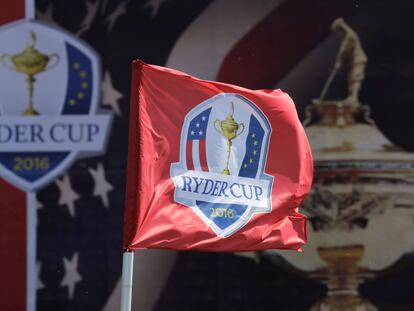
350, 53
30, 62
352, 59
229, 129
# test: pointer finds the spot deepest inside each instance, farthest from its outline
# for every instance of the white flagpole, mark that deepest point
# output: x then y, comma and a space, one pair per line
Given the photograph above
127, 272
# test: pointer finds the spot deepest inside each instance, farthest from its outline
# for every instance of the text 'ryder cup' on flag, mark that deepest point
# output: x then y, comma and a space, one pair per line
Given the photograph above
213, 166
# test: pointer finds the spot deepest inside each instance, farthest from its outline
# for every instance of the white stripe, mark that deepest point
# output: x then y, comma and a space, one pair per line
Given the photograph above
196, 155
300, 77
31, 211
30, 9
212, 35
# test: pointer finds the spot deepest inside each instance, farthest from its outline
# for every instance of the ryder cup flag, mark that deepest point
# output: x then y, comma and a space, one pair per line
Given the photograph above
213, 166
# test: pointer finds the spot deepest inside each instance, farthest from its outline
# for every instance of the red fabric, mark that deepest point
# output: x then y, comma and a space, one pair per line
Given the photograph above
12, 247
11, 11
160, 100
13, 216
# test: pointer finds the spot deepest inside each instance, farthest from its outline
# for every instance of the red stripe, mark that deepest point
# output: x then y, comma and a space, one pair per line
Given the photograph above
202, 153
13, 214
272, 48
189, 154
12, 247
11, 10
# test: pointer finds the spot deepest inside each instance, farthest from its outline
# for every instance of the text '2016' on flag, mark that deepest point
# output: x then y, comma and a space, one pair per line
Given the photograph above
213, 166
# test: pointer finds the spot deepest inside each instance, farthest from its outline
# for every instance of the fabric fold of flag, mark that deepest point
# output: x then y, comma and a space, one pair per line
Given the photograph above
213, 166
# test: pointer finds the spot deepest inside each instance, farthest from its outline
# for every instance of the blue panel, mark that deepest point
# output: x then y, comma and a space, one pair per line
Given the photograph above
79, 91
31, 165
254, 143
198, 126
223, 215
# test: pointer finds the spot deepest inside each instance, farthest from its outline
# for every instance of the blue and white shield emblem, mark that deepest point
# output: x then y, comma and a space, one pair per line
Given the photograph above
223, 151
49, 94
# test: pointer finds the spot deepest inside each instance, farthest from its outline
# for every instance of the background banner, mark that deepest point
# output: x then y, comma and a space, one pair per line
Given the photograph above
287, 44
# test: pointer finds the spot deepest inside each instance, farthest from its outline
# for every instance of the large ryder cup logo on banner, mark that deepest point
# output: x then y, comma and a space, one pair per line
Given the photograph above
49, 93
224, 145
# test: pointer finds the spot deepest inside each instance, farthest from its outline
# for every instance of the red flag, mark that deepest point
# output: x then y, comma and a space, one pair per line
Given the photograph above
17, 258
213, 166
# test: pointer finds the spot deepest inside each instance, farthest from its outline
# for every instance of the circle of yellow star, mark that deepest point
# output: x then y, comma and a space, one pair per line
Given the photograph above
72, 102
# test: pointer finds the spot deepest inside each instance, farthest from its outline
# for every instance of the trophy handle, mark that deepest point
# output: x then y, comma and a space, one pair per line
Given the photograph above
241, 125
56, 59
6, 63
218, 128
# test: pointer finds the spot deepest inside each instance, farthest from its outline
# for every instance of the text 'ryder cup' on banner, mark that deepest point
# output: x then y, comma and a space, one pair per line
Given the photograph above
213, 166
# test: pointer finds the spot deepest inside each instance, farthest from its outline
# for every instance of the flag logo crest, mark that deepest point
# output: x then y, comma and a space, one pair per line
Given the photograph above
49, 89
223, 152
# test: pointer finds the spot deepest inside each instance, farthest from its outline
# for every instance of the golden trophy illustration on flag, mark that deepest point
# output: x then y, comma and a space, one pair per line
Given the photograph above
30, 62
229, 129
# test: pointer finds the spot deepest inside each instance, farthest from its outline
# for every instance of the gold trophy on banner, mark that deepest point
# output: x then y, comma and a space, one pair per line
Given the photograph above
30, 62
363, 183
229, 129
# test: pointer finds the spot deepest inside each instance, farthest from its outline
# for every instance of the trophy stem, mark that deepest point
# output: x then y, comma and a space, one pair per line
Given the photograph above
30, 111
342, 278
226, 171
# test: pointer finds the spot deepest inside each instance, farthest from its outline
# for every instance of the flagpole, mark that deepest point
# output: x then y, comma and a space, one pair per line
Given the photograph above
127, 272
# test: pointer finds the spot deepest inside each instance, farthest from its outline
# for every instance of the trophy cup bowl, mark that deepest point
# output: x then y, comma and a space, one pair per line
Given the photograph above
229, 127
30, 62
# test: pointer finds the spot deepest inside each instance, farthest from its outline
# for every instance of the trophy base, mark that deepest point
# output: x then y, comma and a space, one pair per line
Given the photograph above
226, 171
30, 112
344, 303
